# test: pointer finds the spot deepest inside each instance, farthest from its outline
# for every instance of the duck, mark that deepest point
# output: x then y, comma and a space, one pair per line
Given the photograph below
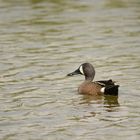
90, 87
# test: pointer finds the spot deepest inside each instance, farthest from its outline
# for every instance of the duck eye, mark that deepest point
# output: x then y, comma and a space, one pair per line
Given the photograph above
81, 70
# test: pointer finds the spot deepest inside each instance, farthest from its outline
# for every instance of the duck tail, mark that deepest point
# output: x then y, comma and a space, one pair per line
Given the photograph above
111, 90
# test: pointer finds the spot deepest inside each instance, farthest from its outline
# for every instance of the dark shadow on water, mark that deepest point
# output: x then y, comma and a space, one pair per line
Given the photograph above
111, 101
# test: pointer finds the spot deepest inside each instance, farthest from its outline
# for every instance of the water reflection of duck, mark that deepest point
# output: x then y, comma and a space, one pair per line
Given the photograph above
107, 103
111, 101
107, 100
103, 87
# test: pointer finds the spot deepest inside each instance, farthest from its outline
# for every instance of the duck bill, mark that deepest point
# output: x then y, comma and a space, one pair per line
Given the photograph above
74, 73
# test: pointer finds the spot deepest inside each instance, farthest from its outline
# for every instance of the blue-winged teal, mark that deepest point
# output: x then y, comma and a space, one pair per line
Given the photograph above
105, 87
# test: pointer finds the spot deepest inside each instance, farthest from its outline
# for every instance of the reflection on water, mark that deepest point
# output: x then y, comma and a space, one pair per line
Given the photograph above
41, 41
109, 102
87, 99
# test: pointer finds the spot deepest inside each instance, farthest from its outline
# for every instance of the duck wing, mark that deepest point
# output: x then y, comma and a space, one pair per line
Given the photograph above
105, 83
109, 87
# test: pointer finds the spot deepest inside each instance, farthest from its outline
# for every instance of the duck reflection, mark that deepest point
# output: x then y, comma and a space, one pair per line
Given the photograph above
111, 103
89, 99
98, 104
107, 101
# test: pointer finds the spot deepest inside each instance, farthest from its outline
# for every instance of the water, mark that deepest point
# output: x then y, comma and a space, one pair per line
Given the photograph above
41, 41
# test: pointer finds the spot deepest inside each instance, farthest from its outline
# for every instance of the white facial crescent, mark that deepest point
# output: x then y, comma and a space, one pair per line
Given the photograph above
81, 70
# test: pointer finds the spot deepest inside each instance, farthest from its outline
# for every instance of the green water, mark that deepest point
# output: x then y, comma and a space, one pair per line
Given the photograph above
43, 40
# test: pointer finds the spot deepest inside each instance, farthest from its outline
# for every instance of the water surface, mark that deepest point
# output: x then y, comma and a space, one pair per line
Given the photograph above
41, 41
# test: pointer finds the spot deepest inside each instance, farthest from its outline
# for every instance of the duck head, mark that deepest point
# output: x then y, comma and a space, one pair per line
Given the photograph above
85, 69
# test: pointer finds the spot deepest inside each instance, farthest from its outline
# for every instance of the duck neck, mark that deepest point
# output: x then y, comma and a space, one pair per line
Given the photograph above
89, 78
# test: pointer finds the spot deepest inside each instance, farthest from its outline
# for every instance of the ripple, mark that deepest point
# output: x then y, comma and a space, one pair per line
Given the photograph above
42, 41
